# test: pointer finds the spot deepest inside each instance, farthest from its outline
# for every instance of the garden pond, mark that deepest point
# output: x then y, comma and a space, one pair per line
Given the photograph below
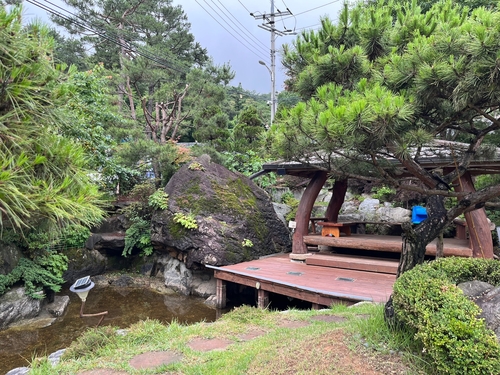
125, 306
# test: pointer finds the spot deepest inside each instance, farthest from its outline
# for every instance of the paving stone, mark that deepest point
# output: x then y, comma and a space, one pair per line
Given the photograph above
252, 335
102, 371
293, 324
205, 345
329, 318
154, 359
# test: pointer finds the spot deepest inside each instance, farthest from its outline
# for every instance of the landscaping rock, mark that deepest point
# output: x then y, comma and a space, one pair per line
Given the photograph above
475, 288
9, 258
15, 306
58, 307
235, 218
490, 304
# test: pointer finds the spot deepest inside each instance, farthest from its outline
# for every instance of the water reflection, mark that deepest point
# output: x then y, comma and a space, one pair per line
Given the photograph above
125, 306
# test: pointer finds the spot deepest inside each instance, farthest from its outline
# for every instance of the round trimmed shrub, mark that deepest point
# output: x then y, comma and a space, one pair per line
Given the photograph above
445, 321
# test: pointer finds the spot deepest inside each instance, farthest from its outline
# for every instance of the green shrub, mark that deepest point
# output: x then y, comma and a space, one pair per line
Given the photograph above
427, 300
42, 272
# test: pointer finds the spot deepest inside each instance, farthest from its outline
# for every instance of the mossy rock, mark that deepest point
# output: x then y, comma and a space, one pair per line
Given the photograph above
228, 209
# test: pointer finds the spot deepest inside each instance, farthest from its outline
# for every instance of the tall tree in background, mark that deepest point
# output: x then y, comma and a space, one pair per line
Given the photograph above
385, 83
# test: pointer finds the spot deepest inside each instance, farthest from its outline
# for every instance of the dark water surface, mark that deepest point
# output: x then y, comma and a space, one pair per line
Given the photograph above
125, 306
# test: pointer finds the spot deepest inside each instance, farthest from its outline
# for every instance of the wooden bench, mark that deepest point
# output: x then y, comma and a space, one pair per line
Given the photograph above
334, 229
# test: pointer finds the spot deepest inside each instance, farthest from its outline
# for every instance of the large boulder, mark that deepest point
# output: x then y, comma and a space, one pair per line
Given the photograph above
235, 218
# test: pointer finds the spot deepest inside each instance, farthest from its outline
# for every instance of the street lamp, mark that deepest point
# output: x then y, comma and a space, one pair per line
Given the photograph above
273, 90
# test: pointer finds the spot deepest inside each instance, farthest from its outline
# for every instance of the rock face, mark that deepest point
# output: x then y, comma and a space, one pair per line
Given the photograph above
9, 257
236, 219
487, 297
182, 280
83, 262
15, 305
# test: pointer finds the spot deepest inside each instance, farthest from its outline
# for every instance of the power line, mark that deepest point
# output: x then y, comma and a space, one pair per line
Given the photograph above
244, 6
237, 32
248, 31
227, 29
310, 10
103, 35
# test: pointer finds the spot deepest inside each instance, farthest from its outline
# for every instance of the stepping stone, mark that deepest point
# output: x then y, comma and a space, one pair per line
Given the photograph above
154, 359
293, 324
329, 318
252, 335
103, 371
205, 345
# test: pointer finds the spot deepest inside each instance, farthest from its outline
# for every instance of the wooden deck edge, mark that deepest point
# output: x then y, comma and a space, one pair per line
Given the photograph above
272, 285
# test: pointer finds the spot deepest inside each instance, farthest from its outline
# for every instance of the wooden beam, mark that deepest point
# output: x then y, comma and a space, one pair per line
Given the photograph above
338, 197
477, 222
262, 299
286, 289
221, 294
304, 211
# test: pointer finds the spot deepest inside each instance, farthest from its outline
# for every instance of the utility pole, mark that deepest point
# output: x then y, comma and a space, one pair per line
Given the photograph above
268, 24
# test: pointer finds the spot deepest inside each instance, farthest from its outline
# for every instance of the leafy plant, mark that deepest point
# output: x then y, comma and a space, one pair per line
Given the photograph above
246, 243
195, 166
187, 221
158, 200
42, 272
446, 323
383, 193
138, 235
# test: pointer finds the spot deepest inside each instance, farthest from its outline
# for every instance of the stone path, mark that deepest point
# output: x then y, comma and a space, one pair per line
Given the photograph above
151, 360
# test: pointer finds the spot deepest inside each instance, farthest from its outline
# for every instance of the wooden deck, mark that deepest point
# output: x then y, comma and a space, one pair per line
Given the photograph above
452, 246
322, 286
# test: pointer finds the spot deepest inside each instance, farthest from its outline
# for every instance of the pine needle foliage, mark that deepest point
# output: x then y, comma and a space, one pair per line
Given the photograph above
43, 174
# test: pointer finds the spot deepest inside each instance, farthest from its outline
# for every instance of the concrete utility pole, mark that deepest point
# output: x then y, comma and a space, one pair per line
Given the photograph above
268, 24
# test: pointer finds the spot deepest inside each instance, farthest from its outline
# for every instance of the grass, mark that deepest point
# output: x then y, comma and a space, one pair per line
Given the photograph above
358, 335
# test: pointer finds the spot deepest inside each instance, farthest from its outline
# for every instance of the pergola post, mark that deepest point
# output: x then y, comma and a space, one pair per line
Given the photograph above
477, 222
338, 197
304, 214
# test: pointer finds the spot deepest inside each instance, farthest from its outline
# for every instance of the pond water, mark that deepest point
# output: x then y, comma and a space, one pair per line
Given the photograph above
125, 306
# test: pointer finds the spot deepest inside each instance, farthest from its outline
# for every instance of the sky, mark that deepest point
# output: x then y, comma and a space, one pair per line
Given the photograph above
231, 35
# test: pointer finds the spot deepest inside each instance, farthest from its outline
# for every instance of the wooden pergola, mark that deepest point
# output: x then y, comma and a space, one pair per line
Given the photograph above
439, 157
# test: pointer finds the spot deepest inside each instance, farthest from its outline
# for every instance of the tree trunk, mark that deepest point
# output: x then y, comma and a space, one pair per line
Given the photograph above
416, 239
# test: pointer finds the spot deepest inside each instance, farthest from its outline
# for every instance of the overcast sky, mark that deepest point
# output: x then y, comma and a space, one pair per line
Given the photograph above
231, 35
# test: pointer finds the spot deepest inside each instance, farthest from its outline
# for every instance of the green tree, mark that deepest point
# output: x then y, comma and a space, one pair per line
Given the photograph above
44, 175
249, 126
383, 85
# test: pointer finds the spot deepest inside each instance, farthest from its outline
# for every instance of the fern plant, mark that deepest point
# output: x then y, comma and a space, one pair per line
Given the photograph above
42, 272
187, 221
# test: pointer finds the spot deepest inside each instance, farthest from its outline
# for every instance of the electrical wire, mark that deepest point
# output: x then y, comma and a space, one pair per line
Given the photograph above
237, 32
310, 10
248, 31
245, 7
256, 54
104, 35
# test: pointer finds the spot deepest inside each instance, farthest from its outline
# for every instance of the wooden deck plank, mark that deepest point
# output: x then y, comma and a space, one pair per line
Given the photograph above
452, 246
359, 263
280, 275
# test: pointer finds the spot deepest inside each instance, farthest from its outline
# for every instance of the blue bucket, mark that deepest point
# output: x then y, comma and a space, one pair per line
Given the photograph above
418, 214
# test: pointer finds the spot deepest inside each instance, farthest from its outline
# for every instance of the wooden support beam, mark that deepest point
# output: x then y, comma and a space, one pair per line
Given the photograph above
221, 294
338, 197
262, 298
477, 223
304, 211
